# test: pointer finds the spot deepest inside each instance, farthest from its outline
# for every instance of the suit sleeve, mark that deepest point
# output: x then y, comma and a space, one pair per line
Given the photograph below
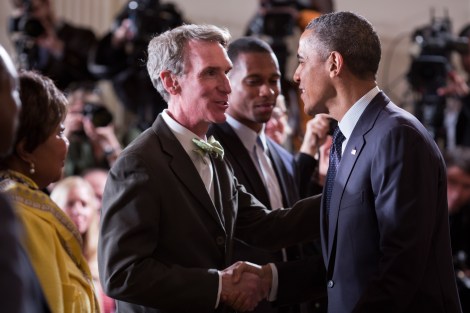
280, 228
130, 233
306, 166
407, 179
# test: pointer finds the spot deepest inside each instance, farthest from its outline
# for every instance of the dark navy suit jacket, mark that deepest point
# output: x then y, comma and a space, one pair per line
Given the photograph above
386, 242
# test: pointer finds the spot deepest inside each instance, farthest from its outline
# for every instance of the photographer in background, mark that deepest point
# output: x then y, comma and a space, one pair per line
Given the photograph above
438, 88
49, 45
459, 89
120, 56
458, 199
90, 130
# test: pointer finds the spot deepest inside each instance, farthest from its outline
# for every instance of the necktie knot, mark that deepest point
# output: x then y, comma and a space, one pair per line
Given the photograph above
211, 147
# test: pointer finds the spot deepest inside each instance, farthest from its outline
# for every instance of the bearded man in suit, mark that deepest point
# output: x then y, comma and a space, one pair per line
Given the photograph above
170, 210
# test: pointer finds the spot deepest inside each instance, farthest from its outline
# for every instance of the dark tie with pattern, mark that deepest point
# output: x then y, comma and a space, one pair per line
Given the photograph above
335, 158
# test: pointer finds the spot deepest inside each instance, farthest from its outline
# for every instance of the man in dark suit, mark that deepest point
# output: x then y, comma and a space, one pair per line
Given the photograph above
170, 210
19, 287
385, 233
255, 81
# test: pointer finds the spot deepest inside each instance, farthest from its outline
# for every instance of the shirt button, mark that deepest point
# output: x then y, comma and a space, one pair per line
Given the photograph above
330, 284
220, 240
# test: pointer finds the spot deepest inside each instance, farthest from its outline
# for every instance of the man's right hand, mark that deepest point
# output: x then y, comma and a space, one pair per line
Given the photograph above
245, 284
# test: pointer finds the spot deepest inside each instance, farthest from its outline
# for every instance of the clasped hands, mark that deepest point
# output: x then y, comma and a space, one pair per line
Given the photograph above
245, 284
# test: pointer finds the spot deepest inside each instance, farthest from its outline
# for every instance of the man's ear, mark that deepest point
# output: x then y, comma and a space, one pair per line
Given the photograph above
170, 82
335, 63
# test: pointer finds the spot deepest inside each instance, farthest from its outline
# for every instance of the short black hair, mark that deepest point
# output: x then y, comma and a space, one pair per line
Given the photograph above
353, 37
247, 45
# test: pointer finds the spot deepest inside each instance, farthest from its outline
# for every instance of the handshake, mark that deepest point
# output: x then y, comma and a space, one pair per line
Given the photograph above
245, 284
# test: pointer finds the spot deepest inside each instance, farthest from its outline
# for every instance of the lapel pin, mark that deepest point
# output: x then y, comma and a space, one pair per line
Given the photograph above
353, 151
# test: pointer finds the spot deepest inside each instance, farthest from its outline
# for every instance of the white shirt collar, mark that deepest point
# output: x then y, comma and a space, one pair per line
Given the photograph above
350, 119
246, 134
183, 135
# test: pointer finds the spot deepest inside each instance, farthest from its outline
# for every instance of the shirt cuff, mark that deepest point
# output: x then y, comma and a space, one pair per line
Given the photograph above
219, 290
274, 284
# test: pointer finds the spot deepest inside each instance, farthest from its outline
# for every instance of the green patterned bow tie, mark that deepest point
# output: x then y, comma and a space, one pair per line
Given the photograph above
211, 147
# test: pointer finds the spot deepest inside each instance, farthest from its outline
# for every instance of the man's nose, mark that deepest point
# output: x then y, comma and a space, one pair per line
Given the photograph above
266, 90
225, 85
296, 75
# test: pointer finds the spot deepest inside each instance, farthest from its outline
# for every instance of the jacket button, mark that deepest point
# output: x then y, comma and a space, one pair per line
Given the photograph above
220, 240
330, 284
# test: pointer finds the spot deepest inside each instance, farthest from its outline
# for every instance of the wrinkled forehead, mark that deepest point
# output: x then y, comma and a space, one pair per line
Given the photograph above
202, 53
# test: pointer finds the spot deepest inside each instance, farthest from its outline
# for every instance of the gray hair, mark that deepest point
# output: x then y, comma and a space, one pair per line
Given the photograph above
166, 51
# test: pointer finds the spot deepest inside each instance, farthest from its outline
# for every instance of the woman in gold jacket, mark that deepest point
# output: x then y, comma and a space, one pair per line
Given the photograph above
51, 239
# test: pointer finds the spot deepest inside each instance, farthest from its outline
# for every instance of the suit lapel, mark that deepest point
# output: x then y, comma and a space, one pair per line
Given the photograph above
224, 202
351, 154
218, 195
183, 168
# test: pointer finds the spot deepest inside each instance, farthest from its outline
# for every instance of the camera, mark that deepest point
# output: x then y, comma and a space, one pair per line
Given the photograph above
429, 71
278, 22
98, 114
150, 17
26, 24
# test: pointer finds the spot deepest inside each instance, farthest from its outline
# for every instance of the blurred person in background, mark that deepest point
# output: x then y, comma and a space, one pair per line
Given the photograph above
461, 89
76, 197
20, 290
120, 56
90, 129
50, 45
277, 127
51, 240
97, 179
458, 199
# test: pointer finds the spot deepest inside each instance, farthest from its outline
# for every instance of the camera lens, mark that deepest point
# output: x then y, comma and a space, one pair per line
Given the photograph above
31, 27
98, 114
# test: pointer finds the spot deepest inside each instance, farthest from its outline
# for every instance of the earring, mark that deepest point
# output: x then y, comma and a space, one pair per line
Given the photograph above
32, 170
